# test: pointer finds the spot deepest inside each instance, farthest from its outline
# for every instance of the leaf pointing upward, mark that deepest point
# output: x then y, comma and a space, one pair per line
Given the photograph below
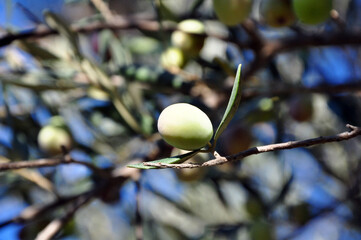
232, 106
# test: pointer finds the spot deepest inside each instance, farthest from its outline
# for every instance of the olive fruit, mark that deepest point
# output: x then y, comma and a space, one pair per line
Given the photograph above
232, 12
301, 108
277, 13
53, 136
190, 37
173, 57
312, 12
185, 126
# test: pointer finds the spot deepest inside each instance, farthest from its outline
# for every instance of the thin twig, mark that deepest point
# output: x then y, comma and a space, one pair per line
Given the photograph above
277, 45
34, 212
56, 225
288, 90
48, 162
354, 132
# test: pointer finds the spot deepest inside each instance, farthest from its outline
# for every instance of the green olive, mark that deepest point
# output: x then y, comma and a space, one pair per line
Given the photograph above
277, 13
312, 12
51, 139
185, 126
232, 12
54, 135
189, 38
173, 57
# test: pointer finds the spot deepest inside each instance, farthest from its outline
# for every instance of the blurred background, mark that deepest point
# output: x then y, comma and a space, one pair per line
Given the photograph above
98, 91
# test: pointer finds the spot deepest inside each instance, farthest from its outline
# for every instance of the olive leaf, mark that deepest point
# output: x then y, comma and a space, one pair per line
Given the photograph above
232, 106
171, 160
58, 24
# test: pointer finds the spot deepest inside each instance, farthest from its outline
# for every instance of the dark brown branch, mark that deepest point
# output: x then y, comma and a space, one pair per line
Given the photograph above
290, 90
354, 132
43, 31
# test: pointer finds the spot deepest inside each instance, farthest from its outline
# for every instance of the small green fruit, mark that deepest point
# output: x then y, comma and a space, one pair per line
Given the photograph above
189, 38
173, 57
312, 12
232, 12
185, 126
277, 13
54, 135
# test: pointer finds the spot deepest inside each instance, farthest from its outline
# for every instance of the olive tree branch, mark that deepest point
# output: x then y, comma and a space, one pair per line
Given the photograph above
287, 90
56, 225
48, 162
218, 160
33, 212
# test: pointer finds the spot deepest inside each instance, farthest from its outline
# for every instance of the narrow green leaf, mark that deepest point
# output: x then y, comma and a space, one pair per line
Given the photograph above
232, 106
58, 24
171, 160
36, 51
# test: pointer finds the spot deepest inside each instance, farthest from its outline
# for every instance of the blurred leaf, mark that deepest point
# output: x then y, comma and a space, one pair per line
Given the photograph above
170, 160
100, 78
36, 51
119, 54
59, 25
165, 12
143, 45
232, 106
103, 42
33, 81
32, 175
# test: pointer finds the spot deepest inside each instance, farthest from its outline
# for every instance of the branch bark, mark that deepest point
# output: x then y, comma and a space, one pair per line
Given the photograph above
48, 162
218, 160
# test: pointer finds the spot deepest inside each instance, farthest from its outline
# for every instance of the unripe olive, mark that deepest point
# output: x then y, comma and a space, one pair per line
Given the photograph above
311, 11
277, 13
232, 12
185, 126
53, 136
189, 37
173, 57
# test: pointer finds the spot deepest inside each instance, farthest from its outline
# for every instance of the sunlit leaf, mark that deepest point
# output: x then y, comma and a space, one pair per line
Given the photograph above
232, 106
36, 51
58, 24
171, 160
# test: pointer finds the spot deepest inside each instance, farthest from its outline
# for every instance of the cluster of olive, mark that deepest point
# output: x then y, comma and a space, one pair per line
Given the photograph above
275, 13
187, 42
